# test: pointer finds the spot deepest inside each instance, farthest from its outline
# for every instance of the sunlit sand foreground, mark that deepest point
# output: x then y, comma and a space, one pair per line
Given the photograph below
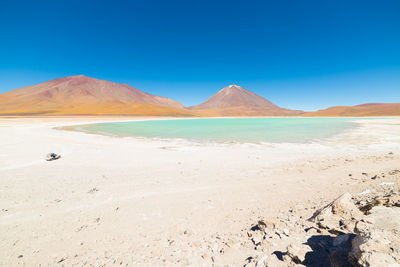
133, 201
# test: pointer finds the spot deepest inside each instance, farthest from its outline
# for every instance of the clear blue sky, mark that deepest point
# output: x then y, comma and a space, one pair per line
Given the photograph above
299, 54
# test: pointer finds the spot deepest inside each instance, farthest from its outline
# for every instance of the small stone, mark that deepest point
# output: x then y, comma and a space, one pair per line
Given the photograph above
298, 252
279, 234
273, 261
286, 231
261, 225
261, 260
61, 260
257, 237
93, 190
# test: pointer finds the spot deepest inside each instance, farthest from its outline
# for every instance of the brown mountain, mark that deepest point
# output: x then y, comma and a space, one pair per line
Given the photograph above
234, 100
85, 95
364, 110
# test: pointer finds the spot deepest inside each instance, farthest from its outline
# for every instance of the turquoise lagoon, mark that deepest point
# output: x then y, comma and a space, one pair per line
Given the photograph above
253, 130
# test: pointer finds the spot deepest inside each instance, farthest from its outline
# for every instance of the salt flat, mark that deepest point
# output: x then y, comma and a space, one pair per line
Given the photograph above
138, 201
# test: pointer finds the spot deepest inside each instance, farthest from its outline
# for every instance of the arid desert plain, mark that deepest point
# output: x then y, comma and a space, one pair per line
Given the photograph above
125, 201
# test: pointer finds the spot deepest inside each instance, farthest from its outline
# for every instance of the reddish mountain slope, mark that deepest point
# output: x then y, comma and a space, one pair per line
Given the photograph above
237, 101
85, 95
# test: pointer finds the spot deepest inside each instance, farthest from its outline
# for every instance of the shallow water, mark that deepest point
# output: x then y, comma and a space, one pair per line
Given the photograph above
254, 130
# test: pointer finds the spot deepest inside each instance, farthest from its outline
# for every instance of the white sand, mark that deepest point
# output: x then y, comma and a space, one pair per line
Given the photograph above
110, 200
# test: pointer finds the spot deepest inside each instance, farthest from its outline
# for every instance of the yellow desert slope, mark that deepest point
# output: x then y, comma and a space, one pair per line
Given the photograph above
85, 95
364, 110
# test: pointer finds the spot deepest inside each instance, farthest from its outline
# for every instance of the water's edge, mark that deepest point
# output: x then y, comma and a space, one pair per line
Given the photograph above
309, 134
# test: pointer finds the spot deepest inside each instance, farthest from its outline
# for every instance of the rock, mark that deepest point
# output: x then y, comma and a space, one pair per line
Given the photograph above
393, 172
337, 214
297, 252
187, 232
312, 231
386, 183
257, 237
273, 261
394, 200
367, 250
93, 190
385, 218
367, 191
279, 234
261, 225
61, 260
378, 243
347, 225
359, 231
258, 232
260, 262
345, 208
249, 262
286, 231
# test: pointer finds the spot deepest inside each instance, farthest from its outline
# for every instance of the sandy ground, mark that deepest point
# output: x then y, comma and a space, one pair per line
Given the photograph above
125, 201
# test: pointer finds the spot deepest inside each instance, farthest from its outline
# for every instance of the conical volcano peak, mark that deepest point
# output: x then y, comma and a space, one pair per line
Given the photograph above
233, 88
235, 100
235, 96
80, 77
76, 78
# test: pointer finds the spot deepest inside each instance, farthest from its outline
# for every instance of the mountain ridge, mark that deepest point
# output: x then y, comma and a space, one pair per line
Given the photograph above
235, 100
82, 95
361, 110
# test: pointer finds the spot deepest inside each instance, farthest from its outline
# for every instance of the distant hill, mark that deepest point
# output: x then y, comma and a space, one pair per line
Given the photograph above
234, 100
85, 95
364, 110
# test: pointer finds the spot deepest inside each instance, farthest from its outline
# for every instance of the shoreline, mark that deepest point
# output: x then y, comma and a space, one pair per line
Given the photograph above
342, 135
